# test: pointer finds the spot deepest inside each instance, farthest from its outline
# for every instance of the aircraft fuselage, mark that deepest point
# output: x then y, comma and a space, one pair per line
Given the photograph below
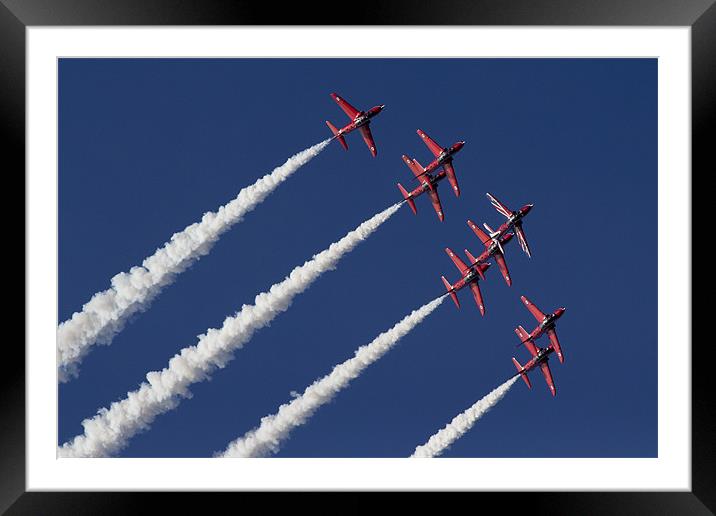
514, 218
493, 249
426, 181
445, 156
547, 323
469, 277
541, 356
362, 118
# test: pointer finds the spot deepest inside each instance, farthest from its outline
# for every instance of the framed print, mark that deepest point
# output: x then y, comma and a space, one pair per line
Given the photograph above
246, 292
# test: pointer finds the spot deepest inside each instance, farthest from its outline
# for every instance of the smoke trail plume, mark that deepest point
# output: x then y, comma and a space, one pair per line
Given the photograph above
274, 429
103, 316
461, 423
110, 430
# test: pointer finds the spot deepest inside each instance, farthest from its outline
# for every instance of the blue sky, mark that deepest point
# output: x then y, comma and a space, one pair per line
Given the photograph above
147, 146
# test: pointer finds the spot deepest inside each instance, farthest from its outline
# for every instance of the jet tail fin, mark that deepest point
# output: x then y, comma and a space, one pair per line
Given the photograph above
451, 291
407, 197
523, 375
337, 135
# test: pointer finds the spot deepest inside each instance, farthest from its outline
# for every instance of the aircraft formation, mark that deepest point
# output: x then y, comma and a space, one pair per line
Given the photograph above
493, 241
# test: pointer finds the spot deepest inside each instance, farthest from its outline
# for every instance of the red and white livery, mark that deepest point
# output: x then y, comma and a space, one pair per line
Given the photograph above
514, 221
540, 357
443, 158
493, 247
471, 275
359, 120
546, 325
428, 183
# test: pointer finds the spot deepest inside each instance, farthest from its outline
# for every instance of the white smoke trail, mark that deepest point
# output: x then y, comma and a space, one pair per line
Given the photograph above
103, 316
110, 430
461, 423
267, 438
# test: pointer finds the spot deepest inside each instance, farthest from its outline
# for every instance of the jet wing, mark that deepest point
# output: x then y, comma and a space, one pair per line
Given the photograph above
368, 139
536, 312
480, 233
433, 193
502, 264
457, 261
345, 106
414, 166
450, 171
475, 288
555, 344
523, 240
434, 147
504, 210
548, 377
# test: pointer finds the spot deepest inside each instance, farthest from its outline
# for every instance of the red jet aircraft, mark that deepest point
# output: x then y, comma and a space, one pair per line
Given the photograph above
546, 325
443, 158
493, 247
428, 183
359, 120
514, 220
470, 277
540, 356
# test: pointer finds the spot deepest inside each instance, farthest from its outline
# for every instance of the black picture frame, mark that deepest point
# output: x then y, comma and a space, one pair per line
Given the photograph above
16, 15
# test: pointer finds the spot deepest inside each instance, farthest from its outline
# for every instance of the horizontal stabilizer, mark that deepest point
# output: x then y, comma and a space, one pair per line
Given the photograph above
451, 291
522, 374
338, 136
407, 197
